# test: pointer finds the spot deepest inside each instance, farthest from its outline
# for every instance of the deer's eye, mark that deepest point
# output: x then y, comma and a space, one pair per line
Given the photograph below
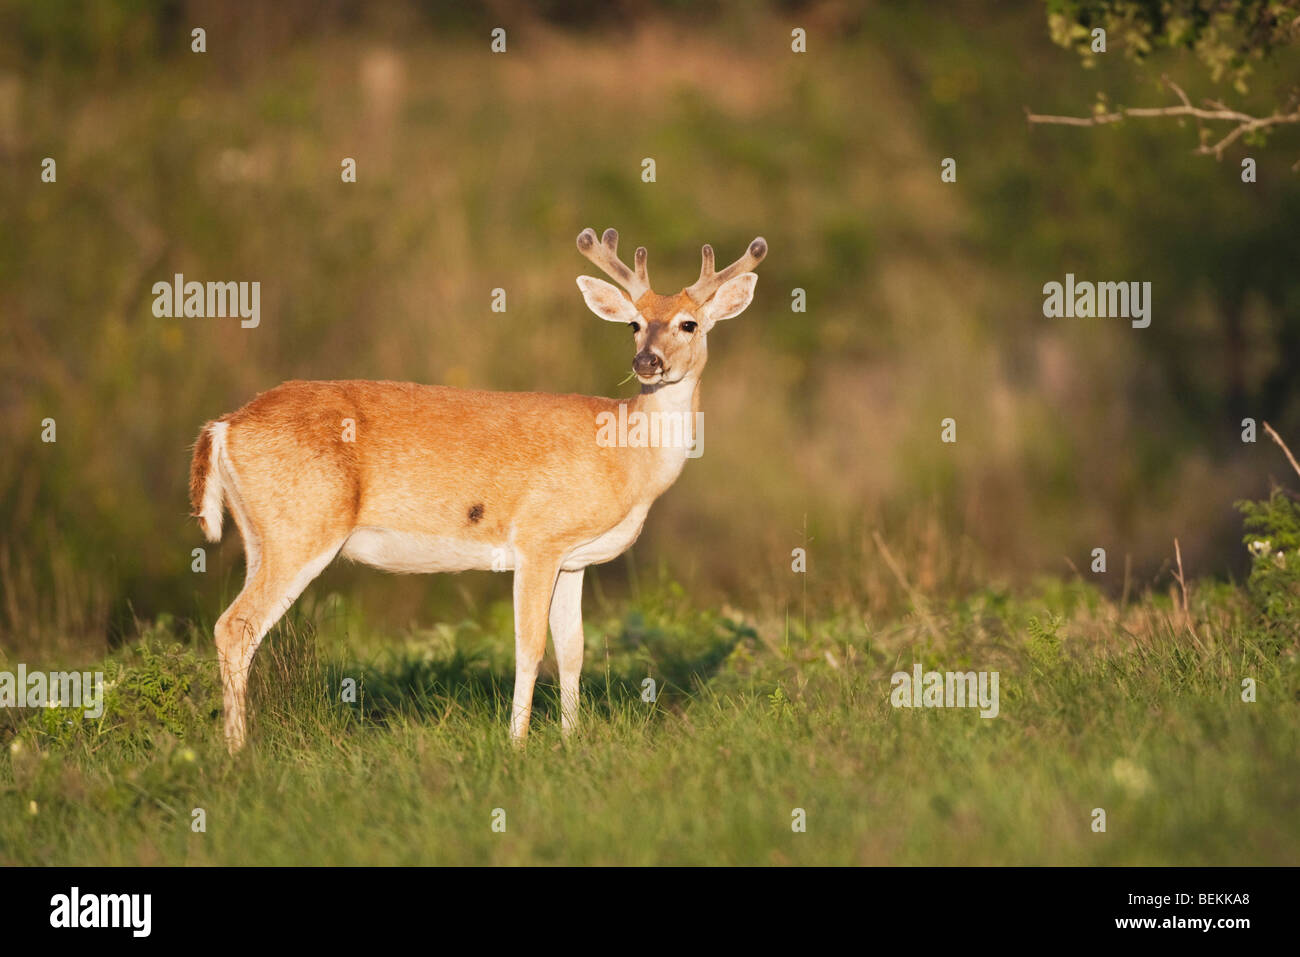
688, 326
635, 326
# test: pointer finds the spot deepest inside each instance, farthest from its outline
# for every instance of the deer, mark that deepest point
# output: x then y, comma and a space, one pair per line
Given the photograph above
413, 478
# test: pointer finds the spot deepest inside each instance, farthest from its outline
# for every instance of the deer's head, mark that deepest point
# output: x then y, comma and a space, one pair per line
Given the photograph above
669, 331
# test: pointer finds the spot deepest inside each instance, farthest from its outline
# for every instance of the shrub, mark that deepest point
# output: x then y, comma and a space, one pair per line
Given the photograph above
1273, 540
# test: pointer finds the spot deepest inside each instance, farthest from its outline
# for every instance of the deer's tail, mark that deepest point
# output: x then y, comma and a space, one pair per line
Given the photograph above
207, 494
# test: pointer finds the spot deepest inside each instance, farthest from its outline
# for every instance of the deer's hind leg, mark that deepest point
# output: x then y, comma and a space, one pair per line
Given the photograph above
278, 579
293, 519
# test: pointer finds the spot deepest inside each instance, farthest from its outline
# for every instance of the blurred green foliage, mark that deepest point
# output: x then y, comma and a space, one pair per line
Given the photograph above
1228, 36
476, 171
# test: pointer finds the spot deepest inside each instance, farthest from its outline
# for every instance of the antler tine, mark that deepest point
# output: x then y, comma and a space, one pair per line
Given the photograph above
642, 274
605, 255
704, 287
706, 263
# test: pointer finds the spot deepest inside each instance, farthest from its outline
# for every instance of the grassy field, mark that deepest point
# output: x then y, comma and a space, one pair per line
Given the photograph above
1132, 709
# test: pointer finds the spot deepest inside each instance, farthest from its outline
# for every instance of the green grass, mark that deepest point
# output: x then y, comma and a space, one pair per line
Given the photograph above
1122, 709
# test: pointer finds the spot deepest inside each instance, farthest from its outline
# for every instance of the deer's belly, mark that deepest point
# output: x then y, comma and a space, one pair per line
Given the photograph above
420, 552
609, 545
417, 552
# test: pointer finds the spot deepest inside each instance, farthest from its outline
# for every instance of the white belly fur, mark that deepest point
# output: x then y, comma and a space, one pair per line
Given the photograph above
416, 553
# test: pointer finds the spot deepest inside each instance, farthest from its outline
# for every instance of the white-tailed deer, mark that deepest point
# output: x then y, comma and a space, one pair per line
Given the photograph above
416, 478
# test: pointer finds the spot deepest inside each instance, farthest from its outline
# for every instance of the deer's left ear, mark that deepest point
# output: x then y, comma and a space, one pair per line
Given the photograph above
731, 299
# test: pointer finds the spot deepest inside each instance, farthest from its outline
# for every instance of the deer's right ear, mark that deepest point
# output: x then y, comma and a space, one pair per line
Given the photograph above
606, 301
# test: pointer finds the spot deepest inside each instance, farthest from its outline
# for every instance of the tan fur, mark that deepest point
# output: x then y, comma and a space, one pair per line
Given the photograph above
199, 470
438, 478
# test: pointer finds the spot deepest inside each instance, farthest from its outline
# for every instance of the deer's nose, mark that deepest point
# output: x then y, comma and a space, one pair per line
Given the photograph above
647, 363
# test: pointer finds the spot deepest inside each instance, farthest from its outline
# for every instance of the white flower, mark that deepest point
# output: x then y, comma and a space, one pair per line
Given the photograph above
1260, 548
1131, 777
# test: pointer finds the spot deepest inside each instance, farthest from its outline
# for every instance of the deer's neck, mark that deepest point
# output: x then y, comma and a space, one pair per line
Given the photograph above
673, 410
682, 396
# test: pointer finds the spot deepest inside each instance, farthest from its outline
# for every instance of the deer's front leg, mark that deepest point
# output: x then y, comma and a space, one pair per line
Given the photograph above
566, 632
534, 583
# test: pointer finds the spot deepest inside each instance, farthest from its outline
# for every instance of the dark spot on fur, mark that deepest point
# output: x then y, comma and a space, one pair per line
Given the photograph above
476, 513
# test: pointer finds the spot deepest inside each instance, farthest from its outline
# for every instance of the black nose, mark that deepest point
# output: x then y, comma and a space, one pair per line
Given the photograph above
647, 363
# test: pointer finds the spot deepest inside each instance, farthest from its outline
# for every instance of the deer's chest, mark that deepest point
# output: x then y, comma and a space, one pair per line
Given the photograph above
610, 544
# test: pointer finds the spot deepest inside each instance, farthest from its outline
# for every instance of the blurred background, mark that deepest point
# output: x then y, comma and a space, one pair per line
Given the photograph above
477, 170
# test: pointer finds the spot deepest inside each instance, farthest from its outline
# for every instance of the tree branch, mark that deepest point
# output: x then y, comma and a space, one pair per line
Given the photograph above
1213, 111
1278, 439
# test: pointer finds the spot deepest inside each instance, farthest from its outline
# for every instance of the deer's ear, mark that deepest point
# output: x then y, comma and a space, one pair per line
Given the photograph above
731, 299
606, 301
